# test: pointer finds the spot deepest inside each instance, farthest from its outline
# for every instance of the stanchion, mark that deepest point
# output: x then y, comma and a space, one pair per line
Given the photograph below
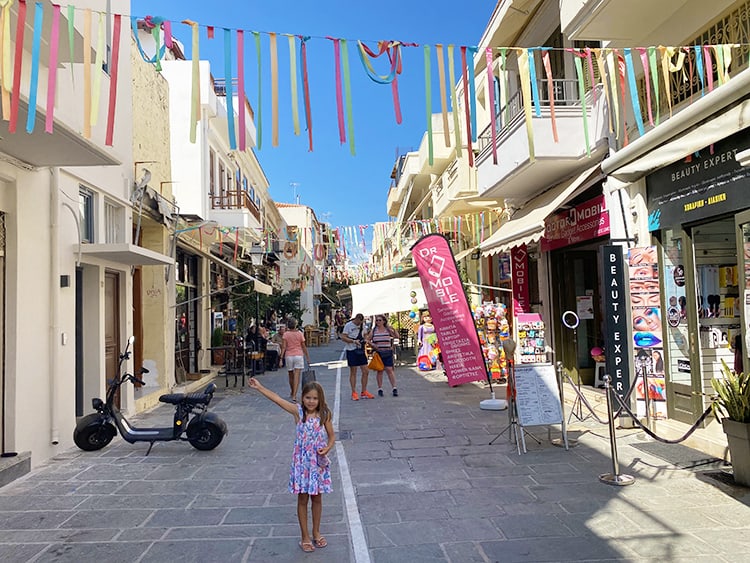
564, 441
614, 478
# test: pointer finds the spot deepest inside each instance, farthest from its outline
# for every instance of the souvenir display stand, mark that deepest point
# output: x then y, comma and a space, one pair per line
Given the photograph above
493, 329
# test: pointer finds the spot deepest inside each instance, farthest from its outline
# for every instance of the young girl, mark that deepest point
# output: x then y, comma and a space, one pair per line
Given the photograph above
310, 470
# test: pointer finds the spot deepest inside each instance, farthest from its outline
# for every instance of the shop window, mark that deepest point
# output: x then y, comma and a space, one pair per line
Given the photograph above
86, 214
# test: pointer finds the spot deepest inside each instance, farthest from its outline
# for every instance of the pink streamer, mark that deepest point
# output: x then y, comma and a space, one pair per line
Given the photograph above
339, 94
167, 28
709, 65
241, 87
54, 43
590, 63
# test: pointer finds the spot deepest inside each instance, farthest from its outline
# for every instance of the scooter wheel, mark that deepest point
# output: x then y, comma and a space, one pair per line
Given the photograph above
93, 438
207, 438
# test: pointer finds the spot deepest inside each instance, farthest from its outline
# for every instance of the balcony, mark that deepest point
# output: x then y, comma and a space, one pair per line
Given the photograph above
458, 182
516, 176
406, 168
623, 23
235, 208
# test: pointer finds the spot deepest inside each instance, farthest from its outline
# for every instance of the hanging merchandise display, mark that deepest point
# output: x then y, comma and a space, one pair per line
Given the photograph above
492, 326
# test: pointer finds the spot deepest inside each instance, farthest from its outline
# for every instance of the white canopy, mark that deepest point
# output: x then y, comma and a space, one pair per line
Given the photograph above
387, 296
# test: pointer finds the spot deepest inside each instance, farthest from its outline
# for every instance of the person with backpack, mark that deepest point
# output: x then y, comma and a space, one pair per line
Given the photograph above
356, 358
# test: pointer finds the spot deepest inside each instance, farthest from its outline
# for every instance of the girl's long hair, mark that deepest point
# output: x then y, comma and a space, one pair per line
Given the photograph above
323, 411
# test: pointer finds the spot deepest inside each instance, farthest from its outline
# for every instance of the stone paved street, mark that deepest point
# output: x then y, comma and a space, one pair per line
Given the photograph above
415, 480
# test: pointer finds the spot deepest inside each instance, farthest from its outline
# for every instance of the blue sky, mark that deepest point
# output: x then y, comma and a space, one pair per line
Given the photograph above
342, 189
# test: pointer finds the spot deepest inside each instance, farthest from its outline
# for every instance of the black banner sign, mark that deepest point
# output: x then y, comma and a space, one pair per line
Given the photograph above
705, 184
616, 312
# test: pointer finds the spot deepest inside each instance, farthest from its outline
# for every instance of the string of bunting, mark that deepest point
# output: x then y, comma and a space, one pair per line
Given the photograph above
707, 65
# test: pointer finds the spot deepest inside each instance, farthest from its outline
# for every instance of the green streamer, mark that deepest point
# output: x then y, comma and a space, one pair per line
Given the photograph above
428, 101
71, 39
348, 95
259, 113
654, 73
582, 97
293, 81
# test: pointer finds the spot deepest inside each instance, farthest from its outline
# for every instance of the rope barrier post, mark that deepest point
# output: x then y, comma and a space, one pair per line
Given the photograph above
614, 478
642, 360
564, 441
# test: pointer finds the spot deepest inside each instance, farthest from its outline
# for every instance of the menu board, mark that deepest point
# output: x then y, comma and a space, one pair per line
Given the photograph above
537, 395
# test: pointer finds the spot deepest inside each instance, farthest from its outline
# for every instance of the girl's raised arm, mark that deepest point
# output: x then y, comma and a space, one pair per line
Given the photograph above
288, 406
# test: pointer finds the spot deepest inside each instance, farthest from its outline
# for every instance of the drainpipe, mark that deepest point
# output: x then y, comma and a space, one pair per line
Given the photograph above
54, 297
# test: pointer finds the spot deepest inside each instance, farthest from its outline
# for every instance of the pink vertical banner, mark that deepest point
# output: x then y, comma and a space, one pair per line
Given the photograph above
454, 323
519, 260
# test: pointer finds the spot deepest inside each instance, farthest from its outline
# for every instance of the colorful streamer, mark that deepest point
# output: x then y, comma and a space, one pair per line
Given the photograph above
634, 91
87, 74
195, 86
465, 77
306, 90
17, 66
699, 66
523, 71
229, 88
36, 42
454, 103
115, 63
473, 96
259, 109
293, 83
428, 103
339, 92
6, 72
348, 95
534, 85
491, 98
54, 45
443, 94
550, 93
242, 141
98, 64
274, 90
613, 72
71, 16
647, 79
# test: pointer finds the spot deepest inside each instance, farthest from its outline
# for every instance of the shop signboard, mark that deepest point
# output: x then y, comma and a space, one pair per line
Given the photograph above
586, 221
616, 313
519, 259
705, 184
454, 322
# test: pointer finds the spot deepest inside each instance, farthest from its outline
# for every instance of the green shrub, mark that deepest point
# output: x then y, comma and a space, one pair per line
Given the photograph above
732, 399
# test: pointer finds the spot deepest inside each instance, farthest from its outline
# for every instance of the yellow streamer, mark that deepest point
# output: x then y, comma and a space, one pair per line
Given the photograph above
274, 91
6, 75
195, 88
96, 92
87, 73
454, 103
443, 96
523, 70
293, 82
665, 64
607, 95
613, 74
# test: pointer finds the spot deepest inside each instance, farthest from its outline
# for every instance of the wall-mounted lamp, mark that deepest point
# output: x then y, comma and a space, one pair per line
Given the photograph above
743, 157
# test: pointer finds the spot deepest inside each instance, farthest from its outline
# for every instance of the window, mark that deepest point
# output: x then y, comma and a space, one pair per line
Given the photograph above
222, 185
86, 214
212, 172
244, 183
112, 223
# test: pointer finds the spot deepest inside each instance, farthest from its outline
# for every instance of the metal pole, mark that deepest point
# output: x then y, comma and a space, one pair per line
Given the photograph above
614, 478
564, 441
646, 398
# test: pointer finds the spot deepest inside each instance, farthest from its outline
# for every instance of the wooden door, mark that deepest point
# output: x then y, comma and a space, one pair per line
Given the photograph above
112, 326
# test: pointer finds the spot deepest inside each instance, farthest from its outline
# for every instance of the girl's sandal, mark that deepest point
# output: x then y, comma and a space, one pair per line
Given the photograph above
307, 547
320, 542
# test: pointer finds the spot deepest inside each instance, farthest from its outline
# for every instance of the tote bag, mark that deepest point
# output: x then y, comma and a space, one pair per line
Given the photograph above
376, 363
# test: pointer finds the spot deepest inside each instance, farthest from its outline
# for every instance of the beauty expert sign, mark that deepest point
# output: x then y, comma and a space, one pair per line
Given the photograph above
616, 313
454, 323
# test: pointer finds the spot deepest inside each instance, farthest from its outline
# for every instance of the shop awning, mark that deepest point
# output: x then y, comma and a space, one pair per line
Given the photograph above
258, 285
387, 296
527, 224
720, 127
125, 253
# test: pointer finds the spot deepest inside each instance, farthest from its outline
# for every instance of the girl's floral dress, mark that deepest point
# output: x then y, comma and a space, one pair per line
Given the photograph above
310, 471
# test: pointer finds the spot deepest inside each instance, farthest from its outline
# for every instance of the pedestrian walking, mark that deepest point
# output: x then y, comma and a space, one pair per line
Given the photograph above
310, 474
355, 355
293, 351
381, 339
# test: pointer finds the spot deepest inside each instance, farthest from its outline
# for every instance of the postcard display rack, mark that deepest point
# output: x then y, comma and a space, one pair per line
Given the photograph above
530, 338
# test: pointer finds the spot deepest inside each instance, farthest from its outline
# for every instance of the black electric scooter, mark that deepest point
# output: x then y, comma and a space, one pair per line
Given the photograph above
204, 432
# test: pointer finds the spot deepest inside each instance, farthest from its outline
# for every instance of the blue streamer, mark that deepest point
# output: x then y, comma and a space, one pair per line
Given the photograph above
472, 96
157, 56
634, 91
34, 80
699, 64
534, 85
229, 87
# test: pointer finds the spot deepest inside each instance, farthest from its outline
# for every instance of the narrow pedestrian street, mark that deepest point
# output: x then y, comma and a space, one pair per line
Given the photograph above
415, 479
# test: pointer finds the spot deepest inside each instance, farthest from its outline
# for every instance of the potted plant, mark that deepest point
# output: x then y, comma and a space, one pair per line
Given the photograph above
732, 404
217, 340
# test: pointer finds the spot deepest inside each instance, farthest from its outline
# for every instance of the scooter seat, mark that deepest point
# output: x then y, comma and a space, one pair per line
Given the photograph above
189, 398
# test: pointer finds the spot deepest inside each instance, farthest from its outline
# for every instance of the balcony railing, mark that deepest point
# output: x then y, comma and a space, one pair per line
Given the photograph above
233, 200
564, 91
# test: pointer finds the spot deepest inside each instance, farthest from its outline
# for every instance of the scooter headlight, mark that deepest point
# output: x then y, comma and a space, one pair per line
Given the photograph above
97, 404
